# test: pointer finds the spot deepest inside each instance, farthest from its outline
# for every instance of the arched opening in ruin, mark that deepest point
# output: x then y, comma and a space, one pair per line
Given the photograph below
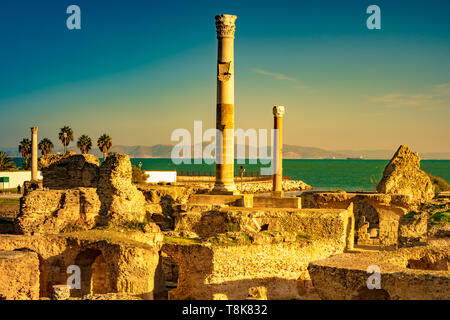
95, 274
367, 224
169, 275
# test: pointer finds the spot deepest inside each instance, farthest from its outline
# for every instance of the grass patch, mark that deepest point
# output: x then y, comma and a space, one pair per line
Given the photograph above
9, 190
181, 241
135, 225
9, 201
115, 237
440, 217
233, 227
410, 215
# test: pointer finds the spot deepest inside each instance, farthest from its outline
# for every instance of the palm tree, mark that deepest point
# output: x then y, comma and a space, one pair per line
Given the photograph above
45, 146
25, 150
6, 162
104, 143
84, 144
66, 135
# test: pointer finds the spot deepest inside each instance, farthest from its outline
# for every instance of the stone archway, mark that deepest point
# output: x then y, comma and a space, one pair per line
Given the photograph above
95, 274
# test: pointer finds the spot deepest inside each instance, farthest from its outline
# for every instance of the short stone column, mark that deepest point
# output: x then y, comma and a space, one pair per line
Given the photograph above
225, 28
278, 112
34, 154
60, 292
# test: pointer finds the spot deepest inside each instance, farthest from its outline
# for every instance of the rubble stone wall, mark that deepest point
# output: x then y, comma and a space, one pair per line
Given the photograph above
19, 275
206, 221
131, 265
230, 272
69, 171
382, 211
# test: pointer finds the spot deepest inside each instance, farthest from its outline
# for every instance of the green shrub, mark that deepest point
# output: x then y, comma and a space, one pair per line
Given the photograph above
439, 184
440, 217
410, 215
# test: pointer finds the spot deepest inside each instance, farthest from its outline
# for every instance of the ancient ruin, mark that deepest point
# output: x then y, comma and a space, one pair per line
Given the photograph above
87, 232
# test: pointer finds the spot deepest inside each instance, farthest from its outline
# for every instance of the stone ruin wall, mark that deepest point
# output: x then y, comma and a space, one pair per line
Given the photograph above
230, 272
69, 171
130, 269
78, 193
206, 221
381, 211
277, 263
419, 273
53, 211
25, 286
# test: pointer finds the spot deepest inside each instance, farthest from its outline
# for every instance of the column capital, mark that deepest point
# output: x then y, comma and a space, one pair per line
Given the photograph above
279, 111
34, 129
225, 26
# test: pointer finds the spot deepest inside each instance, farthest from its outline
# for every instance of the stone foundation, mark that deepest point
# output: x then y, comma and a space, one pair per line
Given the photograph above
380, 211
406, 274
205, 221
229, 272
109, 261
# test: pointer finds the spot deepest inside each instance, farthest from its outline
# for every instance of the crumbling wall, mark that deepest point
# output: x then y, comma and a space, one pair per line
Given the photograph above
206, 221
381, 211
112, 198
53, 211
69, 171
230, 272
121, 200
344, 276
19, 275
131, 264
413, 230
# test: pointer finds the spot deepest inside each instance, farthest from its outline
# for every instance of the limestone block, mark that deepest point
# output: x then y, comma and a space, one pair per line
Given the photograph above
52, 211
19, 275
402, 175
60, 292
69, 170
121, 200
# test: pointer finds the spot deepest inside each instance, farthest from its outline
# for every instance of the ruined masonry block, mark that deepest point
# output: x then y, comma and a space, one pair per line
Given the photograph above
19, 275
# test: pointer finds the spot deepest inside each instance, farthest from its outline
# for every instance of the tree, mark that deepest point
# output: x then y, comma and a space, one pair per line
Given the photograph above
104, 143
6, 162
25, 150
45, 146
84, 144
66, 135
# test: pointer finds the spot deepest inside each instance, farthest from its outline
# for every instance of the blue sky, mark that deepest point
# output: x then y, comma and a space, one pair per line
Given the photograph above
140, 69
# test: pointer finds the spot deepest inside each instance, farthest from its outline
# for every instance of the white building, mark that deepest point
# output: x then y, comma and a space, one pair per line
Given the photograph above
162, 176
12, 179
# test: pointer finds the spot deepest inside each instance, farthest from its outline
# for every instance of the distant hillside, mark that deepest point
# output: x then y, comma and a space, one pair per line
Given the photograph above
289, 152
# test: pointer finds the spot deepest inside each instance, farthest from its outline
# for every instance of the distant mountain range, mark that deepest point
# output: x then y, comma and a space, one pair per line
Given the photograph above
289, 152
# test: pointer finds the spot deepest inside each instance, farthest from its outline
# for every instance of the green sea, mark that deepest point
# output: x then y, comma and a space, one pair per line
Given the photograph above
327, 174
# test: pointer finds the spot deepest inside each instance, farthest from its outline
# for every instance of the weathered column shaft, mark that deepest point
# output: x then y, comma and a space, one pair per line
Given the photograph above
34, 153
225, 105
278, 112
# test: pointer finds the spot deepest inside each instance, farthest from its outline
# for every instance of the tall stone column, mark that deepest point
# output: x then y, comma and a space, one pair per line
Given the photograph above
225, 105
278, 112
34, 153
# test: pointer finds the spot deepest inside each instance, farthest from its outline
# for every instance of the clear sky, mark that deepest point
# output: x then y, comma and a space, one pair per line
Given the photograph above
140, 69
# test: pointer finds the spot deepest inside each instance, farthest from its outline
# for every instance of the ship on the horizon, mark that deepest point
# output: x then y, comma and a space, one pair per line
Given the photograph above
355, 158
